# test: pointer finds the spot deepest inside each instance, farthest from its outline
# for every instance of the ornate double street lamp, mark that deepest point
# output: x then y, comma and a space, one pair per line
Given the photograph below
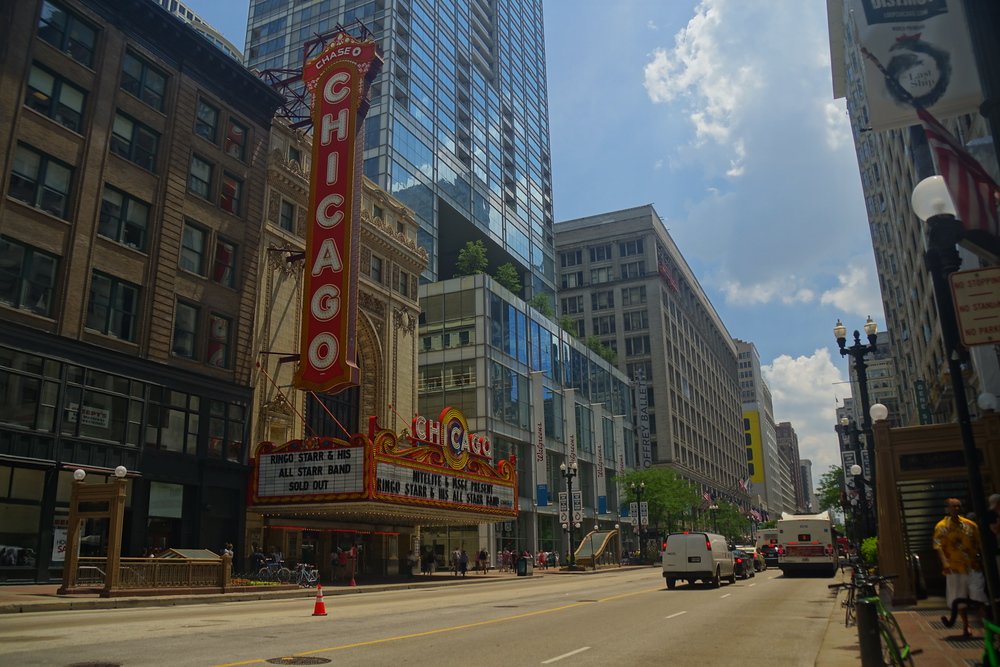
569, 472
857, 352
714, 509
933, 204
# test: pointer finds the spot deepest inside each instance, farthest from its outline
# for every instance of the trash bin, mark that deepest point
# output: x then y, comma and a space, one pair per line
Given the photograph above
523, 567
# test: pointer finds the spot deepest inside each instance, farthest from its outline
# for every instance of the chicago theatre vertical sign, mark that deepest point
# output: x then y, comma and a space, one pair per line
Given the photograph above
338, 79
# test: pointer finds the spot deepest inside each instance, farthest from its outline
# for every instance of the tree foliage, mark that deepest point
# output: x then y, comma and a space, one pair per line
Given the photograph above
830, 491
672, 500
606, 353
507, 276
567, 324
471, 259
542, 302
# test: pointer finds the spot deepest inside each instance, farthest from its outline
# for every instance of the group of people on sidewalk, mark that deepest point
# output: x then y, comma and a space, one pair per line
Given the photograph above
960, 547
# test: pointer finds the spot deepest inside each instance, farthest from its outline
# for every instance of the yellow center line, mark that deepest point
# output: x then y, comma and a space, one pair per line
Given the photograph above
453, 628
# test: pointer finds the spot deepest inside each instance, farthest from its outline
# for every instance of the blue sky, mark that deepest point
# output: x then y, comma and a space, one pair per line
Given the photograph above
720, 114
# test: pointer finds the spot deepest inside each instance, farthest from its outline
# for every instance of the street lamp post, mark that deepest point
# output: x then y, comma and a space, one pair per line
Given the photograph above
857, 352
932, 204
637, 489
593, 554
714, 509
569, 472
851, 431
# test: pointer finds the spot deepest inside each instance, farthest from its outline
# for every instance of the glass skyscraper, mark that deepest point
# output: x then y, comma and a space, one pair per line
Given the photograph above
458, 128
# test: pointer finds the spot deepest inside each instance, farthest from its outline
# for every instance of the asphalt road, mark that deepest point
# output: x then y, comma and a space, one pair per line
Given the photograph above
622, 617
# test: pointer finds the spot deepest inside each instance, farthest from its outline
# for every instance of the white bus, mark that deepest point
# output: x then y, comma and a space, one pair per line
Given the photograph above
807, 544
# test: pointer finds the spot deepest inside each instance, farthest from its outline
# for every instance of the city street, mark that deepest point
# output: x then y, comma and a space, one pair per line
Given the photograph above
622, 617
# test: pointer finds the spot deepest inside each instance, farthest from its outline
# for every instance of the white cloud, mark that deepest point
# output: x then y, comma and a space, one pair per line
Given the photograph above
658, 164
856, 292
838, 125
651, 25
802, 394
785, 290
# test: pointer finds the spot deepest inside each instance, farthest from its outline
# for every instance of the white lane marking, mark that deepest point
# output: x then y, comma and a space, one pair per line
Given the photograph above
751, 585
726, 595
566, 655
676, 615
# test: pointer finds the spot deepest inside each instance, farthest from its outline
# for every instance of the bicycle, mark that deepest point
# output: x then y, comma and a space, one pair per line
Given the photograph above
305, 575
275, 571
895, 649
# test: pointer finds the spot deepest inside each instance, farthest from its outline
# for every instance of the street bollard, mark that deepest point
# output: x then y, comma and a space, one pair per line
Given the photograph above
868, 634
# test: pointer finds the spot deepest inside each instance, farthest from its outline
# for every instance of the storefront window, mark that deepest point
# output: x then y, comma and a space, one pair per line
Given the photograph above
20, 511
172, 421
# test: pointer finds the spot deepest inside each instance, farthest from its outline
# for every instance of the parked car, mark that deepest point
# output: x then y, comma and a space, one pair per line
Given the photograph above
771, 553
743, 564
759, 564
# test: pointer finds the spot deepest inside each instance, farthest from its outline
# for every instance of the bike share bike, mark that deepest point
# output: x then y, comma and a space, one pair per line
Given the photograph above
879, 636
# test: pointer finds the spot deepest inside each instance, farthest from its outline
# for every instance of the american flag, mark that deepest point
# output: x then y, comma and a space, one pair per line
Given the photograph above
972, 190
707, 496
755, 514
744, 484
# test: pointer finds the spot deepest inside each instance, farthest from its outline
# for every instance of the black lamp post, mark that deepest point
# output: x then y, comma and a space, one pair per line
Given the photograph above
932, 203
569, 472
857, 352
851, 432
714, 509
637, 489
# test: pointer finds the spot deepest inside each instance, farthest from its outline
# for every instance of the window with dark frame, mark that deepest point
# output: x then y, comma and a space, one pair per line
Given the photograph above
286, 216
52, 96
113, 306
143, 80
40, 181
67, 32
185, 343
134, 141
224, 266
193, 248
27, 277
206, 122
235, 144
200, 177
376, 269
217, 347
230, 193
123, 218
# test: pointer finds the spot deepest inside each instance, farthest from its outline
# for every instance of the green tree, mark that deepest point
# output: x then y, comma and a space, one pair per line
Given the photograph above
671, 499
606, 353
507, 276
542, 302
471, 259
830, 492
567, 324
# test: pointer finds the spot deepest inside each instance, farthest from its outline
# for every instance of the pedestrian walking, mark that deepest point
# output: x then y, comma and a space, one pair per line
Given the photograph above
463, 562
957, 542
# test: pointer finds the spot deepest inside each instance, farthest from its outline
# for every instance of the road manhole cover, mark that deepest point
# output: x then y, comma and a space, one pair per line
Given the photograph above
298, 660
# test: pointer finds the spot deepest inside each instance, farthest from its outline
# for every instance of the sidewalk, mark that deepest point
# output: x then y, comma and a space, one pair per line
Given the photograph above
932, 642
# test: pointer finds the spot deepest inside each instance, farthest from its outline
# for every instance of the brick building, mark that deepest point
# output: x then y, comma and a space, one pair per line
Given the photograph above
133, 180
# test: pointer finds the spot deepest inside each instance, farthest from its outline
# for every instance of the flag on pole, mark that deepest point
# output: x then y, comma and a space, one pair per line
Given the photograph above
974, 193
707, 497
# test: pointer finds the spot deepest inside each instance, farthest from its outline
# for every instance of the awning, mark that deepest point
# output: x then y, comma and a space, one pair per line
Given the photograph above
376, 513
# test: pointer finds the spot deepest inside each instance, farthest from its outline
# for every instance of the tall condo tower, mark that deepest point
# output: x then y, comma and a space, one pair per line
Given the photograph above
458, 128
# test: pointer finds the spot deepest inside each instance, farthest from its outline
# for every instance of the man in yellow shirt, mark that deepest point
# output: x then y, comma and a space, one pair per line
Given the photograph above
956, 540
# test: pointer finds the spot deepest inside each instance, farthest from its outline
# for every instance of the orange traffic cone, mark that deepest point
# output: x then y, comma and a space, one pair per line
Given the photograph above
320, 608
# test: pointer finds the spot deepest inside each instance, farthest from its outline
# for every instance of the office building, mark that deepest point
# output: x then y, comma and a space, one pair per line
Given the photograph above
788, 450
481, 351
129, 245
808, 490
458, 125
625, 285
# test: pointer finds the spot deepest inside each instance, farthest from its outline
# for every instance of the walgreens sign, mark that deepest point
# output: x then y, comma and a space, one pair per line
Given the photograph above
338, 79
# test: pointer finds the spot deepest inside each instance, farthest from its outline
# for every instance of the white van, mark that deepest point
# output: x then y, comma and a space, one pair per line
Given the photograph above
694, 557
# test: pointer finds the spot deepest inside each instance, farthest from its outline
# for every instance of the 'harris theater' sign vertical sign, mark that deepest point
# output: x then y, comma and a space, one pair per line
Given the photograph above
338, 79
